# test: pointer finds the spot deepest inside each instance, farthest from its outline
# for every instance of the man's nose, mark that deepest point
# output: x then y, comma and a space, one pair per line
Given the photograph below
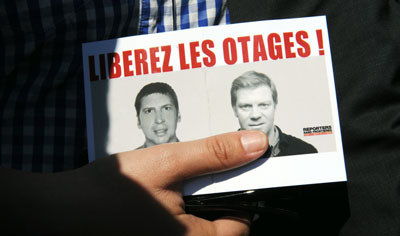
159, 117
255, 113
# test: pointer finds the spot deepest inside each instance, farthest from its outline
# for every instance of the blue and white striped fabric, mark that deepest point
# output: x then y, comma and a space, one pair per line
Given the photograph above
166, 15
42, 107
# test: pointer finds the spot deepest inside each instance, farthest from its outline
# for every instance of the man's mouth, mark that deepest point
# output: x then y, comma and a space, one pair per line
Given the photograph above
256, 125
160, 132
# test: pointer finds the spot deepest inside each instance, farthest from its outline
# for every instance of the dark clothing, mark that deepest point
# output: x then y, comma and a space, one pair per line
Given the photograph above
290, 145
365, 45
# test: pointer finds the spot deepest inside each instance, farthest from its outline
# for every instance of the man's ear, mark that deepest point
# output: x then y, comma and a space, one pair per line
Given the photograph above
179, 117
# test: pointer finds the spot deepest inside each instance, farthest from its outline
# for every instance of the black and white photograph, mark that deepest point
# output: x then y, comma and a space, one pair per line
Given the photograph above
157, 112
157, 109
267, 96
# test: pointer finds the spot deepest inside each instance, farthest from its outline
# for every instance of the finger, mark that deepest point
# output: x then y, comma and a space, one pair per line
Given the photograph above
222, 227
232, 226
179, 161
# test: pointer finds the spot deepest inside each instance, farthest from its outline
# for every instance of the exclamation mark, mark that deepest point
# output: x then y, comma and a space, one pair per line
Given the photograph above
320, 43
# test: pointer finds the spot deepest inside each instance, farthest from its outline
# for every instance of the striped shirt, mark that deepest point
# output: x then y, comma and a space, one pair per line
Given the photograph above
181, 14
42, 107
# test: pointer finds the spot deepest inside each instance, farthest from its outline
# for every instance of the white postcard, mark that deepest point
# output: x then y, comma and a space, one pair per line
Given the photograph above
275, 76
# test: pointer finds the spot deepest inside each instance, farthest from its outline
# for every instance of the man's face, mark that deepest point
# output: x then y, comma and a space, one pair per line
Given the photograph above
255, 109
158, 118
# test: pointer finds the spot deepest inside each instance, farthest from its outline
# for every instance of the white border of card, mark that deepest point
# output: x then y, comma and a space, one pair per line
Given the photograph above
200, 65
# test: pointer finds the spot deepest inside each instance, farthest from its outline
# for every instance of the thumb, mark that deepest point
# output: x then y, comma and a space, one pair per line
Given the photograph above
176, 162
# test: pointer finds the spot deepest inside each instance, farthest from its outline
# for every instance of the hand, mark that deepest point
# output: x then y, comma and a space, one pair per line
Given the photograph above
131, 193
161, 170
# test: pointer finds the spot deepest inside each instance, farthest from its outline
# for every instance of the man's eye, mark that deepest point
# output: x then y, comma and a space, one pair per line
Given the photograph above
147, 111
168, 108
264, 105
245, 107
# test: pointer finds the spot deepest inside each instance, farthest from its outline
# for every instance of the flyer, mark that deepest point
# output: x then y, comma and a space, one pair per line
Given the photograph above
275, 76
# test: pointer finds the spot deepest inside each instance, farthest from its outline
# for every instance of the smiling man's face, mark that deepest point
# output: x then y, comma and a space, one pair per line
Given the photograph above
158, 119
255, 108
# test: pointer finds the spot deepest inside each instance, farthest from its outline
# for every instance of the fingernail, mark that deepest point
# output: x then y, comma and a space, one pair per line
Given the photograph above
253, 141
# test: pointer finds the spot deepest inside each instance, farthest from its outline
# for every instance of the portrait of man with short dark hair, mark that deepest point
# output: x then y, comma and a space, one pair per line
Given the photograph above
254, 99
157, 112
